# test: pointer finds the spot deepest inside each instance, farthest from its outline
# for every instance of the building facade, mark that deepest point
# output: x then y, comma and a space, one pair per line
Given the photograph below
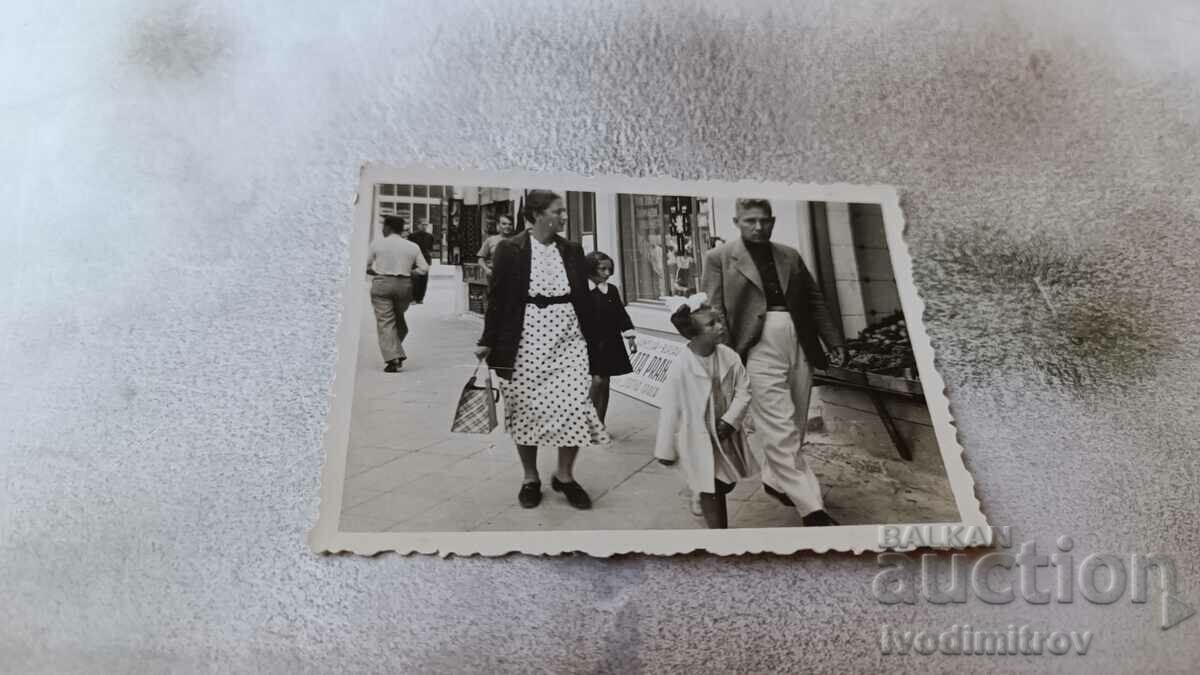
658, 243
418, 205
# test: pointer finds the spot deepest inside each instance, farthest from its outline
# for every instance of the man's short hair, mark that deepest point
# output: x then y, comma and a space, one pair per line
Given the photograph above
394, 224
747, 204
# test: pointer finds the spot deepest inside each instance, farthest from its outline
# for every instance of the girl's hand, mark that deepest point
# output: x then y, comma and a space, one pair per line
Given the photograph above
631, 341
724, 429
481, 353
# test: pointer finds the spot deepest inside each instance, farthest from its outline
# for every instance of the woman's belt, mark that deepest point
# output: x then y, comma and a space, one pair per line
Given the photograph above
544, 301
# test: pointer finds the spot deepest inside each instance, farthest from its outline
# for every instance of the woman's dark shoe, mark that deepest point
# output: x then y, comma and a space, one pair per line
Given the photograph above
530, 495
574, 493
783, 499
392, 366
819, 519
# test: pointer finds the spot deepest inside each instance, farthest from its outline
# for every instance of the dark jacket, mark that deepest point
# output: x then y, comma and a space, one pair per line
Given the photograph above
611, 321
424, 241
735, 289
509, 289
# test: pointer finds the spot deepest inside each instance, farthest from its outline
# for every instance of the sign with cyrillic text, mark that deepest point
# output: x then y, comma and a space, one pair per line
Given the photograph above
650, 365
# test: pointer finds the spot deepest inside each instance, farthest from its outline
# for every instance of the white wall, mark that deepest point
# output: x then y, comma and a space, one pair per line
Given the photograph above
845, 268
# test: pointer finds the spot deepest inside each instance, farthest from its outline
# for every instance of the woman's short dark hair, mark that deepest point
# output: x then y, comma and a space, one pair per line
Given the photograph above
595, 258
537, 201
684, 320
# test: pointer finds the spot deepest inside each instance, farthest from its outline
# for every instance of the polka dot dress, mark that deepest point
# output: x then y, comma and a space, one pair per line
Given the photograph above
546, 402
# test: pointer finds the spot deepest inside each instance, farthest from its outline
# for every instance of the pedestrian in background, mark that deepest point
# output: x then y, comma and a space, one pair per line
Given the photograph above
392, 262
614, 330
424, 240
489, 245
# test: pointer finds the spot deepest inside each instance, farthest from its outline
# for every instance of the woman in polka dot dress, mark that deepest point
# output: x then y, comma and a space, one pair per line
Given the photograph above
539, 336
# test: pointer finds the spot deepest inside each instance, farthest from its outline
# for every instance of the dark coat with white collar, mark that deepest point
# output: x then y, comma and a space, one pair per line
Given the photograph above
508, 291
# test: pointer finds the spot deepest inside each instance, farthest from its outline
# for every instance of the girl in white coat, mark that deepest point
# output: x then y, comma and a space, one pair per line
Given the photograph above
703, 401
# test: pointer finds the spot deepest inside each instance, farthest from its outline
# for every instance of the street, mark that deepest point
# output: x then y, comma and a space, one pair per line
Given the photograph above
407, 472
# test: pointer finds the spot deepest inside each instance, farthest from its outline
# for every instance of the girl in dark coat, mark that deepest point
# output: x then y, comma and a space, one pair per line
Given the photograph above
612, 323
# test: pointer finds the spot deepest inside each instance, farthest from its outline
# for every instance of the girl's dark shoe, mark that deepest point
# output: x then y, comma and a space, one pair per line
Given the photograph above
783, 499
574, 493
392, 366
819, 519
530, 495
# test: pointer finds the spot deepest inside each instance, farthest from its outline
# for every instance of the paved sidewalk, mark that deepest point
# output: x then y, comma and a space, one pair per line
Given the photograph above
407, 472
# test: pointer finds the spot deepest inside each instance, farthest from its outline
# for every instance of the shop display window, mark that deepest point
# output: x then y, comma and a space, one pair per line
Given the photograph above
663, 242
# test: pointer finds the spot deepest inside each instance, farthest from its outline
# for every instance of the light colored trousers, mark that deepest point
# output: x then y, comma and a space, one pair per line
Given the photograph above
780, 384
391, 296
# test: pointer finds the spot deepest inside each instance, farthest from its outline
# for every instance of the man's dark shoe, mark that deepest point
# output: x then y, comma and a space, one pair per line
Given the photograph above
530, 495
819, 519
783, 499
574, 493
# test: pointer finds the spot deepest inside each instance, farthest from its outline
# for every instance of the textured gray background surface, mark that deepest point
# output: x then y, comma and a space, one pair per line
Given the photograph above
175, 183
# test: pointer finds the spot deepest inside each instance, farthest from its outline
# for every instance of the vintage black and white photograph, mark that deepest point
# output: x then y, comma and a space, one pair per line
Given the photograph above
550, 364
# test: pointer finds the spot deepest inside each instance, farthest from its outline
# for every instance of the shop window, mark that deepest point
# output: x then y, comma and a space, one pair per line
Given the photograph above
404, 212
435, 191
663, 242
420, 190
581, 214
403, 190
387, 190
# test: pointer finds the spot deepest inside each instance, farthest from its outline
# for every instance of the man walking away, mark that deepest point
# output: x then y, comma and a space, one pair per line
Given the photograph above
774, 312
392, 262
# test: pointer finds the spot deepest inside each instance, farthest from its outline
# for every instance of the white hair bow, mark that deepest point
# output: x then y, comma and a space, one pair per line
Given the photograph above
693, 302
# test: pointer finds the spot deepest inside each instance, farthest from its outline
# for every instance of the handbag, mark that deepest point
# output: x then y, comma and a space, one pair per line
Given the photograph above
476, 411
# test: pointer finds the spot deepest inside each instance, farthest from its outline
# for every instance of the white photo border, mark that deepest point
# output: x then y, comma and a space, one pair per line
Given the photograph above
326, 538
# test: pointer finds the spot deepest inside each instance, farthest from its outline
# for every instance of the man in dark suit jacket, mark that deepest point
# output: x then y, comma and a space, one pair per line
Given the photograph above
776, 317
424, 240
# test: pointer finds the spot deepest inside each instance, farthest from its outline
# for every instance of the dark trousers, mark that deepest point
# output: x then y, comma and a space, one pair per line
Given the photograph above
420, 283
712, 504
722, 488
